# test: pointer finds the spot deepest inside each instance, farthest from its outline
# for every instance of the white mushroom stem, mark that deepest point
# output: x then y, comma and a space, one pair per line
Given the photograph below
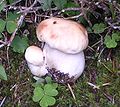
66, 63
36, 61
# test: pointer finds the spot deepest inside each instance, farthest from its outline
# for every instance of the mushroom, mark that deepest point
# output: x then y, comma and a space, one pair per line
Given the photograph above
36, 61
65, 41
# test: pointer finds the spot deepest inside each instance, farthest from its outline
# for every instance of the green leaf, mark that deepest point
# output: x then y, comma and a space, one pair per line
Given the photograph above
60, 3
0, 35
98, 28
116, 36
50, 90
89, 29
2, 73
19, 44
11, 26
38, 94
71, 4
46, 4
48, 79
11, 1
47, 101
12, 16
84, 22
38, 84
2, 5
109, 42
55, 85
2, 25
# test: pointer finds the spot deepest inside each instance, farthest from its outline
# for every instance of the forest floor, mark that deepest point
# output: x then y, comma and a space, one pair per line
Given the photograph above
98, 86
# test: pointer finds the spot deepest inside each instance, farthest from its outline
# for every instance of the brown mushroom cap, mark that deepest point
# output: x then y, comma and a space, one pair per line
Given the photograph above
64, 35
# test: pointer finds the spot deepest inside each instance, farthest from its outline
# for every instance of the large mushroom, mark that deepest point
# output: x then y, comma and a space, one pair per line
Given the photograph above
65, 41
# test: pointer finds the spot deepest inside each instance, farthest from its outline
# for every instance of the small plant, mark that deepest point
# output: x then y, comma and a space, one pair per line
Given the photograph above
19, 44
44, 93
10, 23
111, 41
98, 28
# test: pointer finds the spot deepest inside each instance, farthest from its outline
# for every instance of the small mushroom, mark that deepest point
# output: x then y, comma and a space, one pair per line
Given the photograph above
36, 61
65, 41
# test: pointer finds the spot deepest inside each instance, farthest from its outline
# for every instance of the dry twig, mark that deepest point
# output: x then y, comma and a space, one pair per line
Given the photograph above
3, 100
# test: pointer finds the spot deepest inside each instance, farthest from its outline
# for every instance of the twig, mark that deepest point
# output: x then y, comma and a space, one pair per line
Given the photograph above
5, 42
2, 101
114, 26
20, 21
30, 8
89, 47
101, 53
74, 17
13, 87
98, 86
2, 45
40, 15
106, 67
71, 91
22, 9
72, 8
96, 43
94, 86
2, 42
68, 9
106, 84
109, 97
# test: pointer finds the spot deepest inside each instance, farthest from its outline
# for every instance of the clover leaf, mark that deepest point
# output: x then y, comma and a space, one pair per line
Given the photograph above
116, 36
38, 94
47, 101
99, 28
48, 79
12, 16
60, 3
19, 44
111, 41
11, 26
50, 90
44, 94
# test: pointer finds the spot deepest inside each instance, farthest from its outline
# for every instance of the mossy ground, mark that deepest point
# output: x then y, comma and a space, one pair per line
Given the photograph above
18, 90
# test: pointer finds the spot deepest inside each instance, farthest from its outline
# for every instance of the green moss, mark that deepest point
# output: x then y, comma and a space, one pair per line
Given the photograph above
21, 95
